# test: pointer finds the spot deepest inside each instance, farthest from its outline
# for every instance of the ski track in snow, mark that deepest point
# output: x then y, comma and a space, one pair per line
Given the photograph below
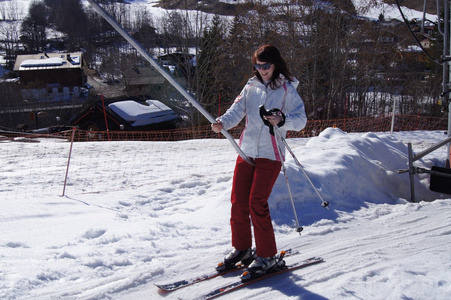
114, 242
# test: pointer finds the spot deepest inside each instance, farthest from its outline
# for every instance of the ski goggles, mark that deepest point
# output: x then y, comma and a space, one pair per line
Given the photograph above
264, 66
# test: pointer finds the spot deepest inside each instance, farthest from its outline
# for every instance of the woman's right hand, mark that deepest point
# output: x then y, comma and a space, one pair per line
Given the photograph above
216, 127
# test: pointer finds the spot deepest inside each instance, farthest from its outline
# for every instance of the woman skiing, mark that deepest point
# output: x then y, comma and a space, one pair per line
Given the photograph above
274, 87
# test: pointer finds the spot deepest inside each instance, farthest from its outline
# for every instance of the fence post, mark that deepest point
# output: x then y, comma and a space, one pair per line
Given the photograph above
106, 120
68, 160
411, 172
393, 117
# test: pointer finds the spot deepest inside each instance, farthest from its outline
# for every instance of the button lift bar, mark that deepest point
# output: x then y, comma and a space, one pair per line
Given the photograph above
440, 177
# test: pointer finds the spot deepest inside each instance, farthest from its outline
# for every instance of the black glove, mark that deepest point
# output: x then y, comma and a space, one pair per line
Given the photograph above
271, 112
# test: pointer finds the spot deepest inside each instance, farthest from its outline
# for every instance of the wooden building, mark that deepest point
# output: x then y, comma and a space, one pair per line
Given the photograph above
48, 77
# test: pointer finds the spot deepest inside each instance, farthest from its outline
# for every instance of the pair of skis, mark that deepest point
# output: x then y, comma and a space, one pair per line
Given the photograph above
239, 283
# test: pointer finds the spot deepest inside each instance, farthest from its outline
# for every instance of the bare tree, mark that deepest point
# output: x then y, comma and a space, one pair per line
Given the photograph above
69, 17
9, 30
180, 36
11, 11
144, 30
34, 26
10, 41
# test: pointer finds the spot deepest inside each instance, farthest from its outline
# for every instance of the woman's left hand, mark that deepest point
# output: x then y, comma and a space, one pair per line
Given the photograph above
273, 119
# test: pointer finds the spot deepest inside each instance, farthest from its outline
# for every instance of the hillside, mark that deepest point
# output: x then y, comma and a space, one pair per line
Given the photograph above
139, 213
431, 6
230, 7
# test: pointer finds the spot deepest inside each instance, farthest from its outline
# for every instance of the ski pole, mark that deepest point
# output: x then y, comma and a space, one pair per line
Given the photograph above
323, 202
263, 113
166, 75
299, 228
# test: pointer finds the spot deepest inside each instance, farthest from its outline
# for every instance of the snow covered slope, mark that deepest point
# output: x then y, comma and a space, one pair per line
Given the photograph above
114, 244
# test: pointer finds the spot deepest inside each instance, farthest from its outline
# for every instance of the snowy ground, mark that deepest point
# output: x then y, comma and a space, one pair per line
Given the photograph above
366, 8
139, 213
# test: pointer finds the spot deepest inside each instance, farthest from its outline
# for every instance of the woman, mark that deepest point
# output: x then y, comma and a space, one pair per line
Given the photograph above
274, 87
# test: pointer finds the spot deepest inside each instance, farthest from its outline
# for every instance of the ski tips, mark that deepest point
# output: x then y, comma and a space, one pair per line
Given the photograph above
246, 276
221, 267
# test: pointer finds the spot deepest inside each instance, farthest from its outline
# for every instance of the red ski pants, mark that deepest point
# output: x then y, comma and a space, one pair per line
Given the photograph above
252, 186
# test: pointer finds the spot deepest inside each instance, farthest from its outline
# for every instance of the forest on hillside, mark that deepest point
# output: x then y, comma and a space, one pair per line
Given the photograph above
347, 66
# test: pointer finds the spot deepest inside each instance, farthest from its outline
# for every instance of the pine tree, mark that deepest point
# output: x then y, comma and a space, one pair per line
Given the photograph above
210, 65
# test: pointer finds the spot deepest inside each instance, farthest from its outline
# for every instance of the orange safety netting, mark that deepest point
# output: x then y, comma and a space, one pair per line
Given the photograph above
313, 128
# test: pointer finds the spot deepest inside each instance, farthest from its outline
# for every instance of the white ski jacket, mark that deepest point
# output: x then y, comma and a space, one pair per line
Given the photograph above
255, 140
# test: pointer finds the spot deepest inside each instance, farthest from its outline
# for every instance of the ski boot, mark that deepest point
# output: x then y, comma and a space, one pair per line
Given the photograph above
235, 256
263, 265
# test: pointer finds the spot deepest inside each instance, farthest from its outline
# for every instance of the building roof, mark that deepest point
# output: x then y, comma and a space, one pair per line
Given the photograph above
137, 114
45, 61
148, 115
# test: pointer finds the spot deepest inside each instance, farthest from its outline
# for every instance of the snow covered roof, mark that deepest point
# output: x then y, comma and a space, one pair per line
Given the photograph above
140, 115
48, 61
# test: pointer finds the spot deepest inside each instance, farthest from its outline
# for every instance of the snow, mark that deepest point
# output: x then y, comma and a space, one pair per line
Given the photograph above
50, 61
365, 8
140, 115
75, 60
47, 62
117, 231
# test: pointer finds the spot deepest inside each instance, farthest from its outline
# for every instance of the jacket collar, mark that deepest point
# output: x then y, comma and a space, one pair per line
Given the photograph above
256, 82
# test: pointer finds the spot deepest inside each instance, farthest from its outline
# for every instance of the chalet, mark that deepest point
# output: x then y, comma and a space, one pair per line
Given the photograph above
144, 79
127, 115
50, 77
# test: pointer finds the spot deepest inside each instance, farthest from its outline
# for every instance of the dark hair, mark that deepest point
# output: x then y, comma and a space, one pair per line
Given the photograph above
270, 54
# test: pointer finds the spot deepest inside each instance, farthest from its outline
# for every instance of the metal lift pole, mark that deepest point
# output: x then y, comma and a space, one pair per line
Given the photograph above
447, 44
446, 66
